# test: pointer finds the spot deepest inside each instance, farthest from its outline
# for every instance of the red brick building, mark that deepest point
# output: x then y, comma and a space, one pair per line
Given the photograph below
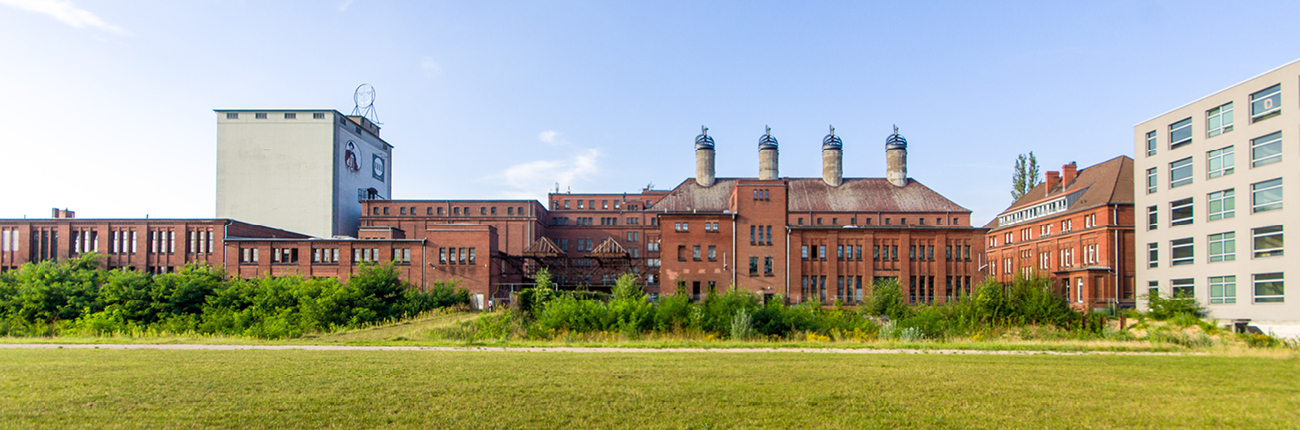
820, 239
1076, 229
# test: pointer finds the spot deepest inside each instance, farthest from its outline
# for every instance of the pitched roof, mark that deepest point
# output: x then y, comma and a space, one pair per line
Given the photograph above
866, 195
814, 195
691, 196
1108, 182
609, 248
543, 247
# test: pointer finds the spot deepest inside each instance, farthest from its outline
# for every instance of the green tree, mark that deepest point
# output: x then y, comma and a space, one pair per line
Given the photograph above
1025, 177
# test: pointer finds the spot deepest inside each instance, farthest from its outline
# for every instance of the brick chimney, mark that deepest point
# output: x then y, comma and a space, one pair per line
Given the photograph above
63, 213
1070, 171
1053, 179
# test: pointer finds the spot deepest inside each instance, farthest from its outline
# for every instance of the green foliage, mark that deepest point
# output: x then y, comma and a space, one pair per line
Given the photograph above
886, 300
1166, 308
742, 326
1025, 177
76, 296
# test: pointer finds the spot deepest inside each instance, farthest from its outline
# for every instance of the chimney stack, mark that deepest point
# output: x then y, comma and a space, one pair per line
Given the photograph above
767, 168
896, 159
704, 153
63, 213
833, 159
1053, 179
1069, 171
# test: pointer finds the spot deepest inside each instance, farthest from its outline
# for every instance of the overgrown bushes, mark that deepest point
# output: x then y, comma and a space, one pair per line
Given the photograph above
77, 297
544, 313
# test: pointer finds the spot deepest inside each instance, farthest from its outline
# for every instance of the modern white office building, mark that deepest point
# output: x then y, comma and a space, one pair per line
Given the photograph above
305, 171
1218, 190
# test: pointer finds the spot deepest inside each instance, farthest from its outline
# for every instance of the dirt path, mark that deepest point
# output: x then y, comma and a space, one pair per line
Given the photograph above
561, 349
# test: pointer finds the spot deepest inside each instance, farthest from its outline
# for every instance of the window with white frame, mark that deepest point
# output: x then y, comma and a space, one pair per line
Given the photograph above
1267, 241
1153, 254
1183, 288
1183, 252
1152, 179
1180, 133
1269, 288
1045, 260
1153, 217
1151, 143
1266, 196
1266, 103
1221, 204
1266, 149
1219, 120
1180, 172
1223, 289
1223, 247
1219, 162
1181, 212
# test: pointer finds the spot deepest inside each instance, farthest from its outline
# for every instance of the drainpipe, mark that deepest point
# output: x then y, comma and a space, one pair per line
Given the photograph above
733, 251
787, 262
1114, 219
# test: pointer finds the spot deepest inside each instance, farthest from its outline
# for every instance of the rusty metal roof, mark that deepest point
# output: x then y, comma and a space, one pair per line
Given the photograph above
814, 195
866, 195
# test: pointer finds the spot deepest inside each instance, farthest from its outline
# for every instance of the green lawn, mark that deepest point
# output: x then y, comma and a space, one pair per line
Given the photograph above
421, 389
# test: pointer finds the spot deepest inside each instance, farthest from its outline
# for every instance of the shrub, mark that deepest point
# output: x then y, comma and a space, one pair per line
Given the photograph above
742, 326
1165, 308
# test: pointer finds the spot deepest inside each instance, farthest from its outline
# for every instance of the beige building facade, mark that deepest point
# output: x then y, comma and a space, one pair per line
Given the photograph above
305, 171
1217, 190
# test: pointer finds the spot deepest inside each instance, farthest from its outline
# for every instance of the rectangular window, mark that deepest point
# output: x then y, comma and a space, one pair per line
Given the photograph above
1266, 150
1180, 172
1223, 247
695, 252
1180, 133
232, 115
713, 253
753, 266
769, 233
1151, 180
767, 266
1220, 162
1266, 103
821, 252
1183, 288
260, 115
1269, 288
1266, 196
1183, 251
1153, 217
839, 252
1223, 289
1181, 212
1219, 120
318, 115
1222, 205
290, 115
804, 252
1151, 143
471, 255
1267, 241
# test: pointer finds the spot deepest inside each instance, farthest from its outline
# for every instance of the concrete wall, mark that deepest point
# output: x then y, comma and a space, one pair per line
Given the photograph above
1245, 265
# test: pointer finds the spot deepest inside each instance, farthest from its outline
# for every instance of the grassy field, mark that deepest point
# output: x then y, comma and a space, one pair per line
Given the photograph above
398, 389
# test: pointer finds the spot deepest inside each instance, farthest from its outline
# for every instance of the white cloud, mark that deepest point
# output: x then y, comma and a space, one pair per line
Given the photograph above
532, 180
343, 5
548, 136
65, 12
429, 66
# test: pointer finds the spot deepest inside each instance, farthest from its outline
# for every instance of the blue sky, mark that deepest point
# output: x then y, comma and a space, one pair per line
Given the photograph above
108, 106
